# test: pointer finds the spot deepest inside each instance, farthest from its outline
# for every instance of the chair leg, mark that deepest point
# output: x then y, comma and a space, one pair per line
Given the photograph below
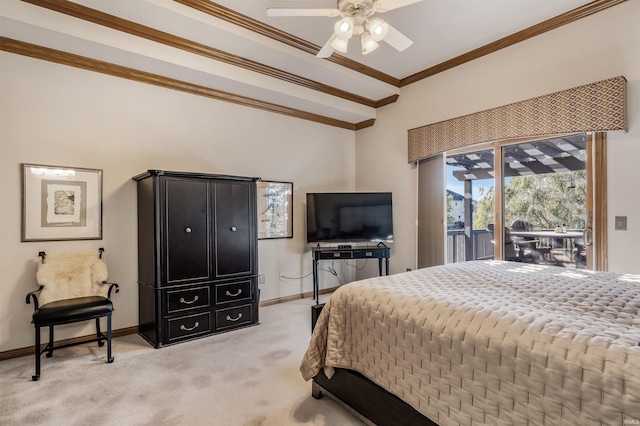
50, 345
109, 357
98, 333
37, 350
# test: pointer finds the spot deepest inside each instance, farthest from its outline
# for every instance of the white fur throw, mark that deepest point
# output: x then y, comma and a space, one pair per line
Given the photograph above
70, 275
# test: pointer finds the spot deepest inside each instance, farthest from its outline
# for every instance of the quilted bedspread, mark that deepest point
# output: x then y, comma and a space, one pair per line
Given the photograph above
491, 342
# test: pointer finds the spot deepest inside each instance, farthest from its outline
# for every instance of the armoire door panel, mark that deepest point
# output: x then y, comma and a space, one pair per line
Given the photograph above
187, 236
197, 245
233, 228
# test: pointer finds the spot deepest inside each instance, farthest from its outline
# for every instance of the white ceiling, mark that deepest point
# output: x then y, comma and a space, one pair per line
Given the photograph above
441, 30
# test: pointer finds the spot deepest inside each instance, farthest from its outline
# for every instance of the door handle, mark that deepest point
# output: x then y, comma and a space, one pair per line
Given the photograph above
587, 237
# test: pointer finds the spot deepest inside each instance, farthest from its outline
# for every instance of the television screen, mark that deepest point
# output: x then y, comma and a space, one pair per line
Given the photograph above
341, 217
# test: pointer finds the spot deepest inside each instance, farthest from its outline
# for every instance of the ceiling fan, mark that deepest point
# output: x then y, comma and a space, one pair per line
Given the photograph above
356, 19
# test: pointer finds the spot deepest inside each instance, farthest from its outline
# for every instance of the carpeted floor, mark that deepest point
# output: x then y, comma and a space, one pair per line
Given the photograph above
245, 377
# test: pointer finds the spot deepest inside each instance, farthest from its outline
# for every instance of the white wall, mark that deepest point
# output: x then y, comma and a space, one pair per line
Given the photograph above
599, 47
58, 115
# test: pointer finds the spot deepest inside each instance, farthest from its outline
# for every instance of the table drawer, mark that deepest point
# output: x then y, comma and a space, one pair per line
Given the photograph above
188, 326
232, 292
364, 253
185, 299
235, 316
336, 255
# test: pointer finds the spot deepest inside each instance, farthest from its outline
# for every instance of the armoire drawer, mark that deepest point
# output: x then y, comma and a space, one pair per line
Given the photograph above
235, 316
233, 292
188, 326
184, 299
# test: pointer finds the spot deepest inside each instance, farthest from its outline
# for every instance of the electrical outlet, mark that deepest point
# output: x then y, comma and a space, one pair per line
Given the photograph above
261, 279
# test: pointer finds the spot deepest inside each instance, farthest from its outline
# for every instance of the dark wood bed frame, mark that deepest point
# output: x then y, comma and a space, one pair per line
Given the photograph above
370, 402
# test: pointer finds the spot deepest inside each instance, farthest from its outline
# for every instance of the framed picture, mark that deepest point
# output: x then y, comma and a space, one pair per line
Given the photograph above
275, 209
61, 203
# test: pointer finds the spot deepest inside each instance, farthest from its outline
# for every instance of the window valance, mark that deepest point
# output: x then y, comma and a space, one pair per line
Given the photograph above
594, 107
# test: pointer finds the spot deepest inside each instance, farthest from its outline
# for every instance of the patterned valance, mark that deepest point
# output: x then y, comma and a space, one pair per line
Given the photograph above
594, 107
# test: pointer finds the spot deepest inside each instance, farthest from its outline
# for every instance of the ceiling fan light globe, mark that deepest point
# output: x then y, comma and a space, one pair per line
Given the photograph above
340, 44
368, 43
378, 28
344, 28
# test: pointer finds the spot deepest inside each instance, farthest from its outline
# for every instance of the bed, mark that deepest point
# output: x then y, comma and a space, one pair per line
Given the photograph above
482, 342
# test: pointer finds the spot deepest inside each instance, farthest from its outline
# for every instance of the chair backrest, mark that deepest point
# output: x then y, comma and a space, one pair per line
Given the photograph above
521, 225
509, 248
71, 275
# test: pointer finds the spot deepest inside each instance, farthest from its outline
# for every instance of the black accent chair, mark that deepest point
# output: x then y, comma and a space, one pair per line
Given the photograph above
73, 287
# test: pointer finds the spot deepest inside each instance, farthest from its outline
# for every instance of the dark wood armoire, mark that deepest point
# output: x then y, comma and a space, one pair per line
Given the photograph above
197, 255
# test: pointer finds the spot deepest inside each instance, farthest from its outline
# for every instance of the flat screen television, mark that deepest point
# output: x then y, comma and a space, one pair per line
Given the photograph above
349, 217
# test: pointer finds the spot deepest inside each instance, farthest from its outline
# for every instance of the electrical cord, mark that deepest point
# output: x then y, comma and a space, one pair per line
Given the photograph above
295, 278
356, 265
332, 272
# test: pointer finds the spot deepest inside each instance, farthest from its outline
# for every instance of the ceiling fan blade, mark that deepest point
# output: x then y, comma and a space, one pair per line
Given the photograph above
327, 50
397, 40
302, 12
386, 5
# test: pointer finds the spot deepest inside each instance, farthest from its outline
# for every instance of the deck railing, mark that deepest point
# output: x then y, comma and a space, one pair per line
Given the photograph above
482, 248
481, 241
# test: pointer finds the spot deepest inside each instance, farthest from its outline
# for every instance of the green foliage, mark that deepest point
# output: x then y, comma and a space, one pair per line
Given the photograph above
450, 217
484, 211
545, 200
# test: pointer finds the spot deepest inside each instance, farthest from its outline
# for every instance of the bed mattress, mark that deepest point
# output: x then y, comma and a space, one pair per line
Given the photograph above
491, 342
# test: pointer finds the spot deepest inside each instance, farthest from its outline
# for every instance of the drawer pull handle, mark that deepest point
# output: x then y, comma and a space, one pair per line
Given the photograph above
187, 230
183, 328
233, 229
228, 293
236, 318
195, 299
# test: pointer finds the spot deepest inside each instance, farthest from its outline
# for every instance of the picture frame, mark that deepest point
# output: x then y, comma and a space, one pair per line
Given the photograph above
61, 203
275, 209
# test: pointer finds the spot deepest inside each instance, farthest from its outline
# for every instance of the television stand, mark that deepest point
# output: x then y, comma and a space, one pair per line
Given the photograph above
380, 252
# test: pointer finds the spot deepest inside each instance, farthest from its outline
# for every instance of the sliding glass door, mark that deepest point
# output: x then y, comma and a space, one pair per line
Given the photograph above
545, 201
470, 205
526, 201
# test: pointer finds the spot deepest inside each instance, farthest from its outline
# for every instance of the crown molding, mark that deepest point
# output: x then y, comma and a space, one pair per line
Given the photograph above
82, 12
256, 26
236, 18
90, 64
535, 30
110, 21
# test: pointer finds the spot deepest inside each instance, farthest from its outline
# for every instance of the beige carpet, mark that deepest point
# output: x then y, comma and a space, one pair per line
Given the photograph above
244, 377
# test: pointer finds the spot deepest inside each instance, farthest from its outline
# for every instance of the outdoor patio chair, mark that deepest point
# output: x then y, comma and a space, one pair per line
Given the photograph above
538, 249
512, 250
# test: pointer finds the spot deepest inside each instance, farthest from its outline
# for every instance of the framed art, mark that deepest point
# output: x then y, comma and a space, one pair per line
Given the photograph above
275, 209
61, 203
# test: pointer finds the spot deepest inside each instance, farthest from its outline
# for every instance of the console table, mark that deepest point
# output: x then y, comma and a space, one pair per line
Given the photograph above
319, 253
